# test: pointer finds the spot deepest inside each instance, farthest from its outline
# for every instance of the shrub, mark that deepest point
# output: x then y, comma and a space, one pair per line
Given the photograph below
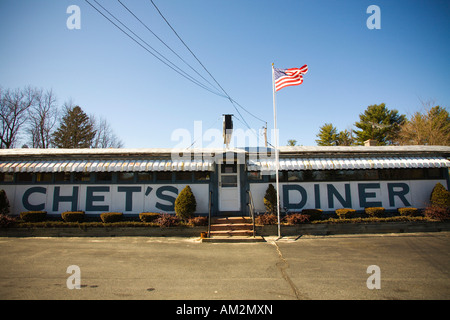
167, 220
33, 216
111, 217
270, 199
6, 221
73, 216
198, 221
297, 218
266, 218
375, 211
440, 197
148, 216
185, 204
437, 213
314, 214
4, 203
345, 213
413, 212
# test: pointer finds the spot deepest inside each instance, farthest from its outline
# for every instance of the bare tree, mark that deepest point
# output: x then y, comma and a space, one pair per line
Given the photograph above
14, 110
105, 136
42, 119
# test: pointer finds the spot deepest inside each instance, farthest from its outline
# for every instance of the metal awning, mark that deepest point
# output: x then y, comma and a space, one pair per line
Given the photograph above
106, 165
347, 163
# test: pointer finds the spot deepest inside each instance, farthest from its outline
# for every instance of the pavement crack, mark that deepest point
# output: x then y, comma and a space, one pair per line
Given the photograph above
282, 265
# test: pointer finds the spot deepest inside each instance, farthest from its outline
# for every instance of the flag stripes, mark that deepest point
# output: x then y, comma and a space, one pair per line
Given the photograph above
289, 77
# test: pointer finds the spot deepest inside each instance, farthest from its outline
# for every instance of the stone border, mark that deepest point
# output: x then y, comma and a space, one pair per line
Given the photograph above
103, 232
354, 228
267, 230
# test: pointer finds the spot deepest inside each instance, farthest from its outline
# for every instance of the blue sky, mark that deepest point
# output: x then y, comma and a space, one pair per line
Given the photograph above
350, 66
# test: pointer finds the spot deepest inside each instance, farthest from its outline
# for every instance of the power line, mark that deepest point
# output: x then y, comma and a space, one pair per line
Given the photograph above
174, 67
162, 41
198, 60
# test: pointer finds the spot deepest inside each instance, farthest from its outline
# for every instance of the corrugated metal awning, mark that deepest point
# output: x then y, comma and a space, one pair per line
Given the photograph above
106, 165
347, 163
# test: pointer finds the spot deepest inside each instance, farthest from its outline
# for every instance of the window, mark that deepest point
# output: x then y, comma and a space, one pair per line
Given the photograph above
62, 177
294, 176
125, 176
6, 177
201, 176
82, 177
228, 168
24, 177
145, 176
229, 181
254, 175
164, 176
43, 177
183, 176
104, 176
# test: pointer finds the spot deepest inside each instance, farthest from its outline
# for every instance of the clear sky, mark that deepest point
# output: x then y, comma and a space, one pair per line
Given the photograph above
145, 102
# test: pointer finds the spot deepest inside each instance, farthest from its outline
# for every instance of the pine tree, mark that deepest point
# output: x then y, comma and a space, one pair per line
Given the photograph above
76, 130
185, 204
270, 199
379, 123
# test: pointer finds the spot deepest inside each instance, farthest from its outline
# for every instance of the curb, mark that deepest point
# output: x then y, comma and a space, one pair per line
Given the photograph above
267, 230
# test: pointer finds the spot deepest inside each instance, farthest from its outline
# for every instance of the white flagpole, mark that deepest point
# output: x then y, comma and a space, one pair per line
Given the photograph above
276, 150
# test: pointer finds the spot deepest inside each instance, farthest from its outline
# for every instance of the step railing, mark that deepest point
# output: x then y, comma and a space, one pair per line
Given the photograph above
209, 214
251, 208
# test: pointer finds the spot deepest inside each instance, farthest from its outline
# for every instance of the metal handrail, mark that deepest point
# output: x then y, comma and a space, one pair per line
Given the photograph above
251, 208
209, 214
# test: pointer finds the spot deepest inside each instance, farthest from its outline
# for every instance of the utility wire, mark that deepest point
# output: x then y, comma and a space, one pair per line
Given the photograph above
168, 47
193, 54
174, 67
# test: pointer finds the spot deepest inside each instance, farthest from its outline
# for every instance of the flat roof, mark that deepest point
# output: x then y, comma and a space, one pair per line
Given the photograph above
285, 151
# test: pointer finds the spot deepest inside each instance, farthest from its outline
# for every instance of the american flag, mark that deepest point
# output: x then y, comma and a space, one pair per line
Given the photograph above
289, 77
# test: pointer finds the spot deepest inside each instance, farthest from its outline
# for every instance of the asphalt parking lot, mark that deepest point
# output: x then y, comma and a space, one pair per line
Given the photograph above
410, 266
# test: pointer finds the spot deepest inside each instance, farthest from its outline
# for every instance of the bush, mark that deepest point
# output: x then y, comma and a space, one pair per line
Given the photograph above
440, 197
73, 216
111, 217
167, 220
185, 204
297, 218
437, 213
6, 221
198, 221
4, 203
345, 213
314, 214
413, 212
33, 216
266, 218
270, 200
375, 211
148, 216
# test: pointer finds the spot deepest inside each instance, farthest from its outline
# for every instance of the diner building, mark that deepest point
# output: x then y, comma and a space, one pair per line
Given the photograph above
224, 181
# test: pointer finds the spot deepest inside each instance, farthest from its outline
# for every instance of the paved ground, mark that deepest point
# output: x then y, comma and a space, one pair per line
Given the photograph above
412, 266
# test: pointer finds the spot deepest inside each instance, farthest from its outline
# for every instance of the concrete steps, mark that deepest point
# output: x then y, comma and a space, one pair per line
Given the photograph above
232, 229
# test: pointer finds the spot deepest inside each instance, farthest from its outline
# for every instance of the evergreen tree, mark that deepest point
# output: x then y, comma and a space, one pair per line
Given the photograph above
327, 136
185, 204
75, 131
379, 123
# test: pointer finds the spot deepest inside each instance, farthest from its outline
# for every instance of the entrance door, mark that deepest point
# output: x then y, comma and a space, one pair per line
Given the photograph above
229, 190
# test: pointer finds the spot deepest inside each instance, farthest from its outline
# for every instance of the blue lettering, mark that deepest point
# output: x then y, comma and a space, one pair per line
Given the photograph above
90, 198
26, 195
57, 198
166, 197
294, 187
129, 196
